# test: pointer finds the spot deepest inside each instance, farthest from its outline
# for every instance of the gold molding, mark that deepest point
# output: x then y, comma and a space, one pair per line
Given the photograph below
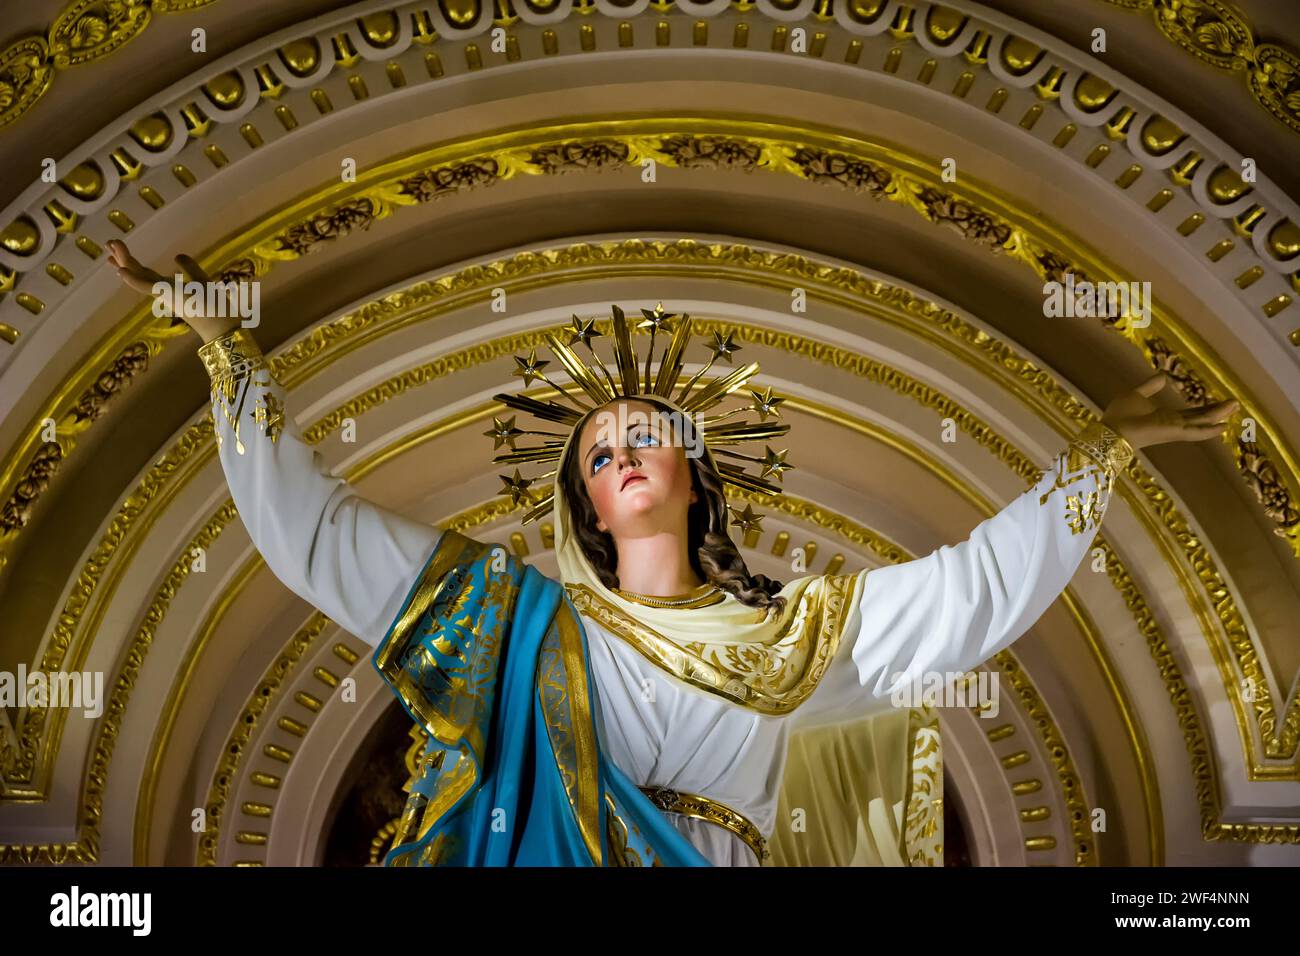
1212, 30
1218, 33
293, 360
1037, 714
306, 353
881, 171
247, 720
302, 55
86, 31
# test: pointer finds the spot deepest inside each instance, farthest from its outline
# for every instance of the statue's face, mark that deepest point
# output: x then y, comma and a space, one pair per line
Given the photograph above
633, 461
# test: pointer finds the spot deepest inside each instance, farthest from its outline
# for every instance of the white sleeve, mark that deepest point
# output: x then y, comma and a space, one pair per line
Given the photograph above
350, 558
953, 609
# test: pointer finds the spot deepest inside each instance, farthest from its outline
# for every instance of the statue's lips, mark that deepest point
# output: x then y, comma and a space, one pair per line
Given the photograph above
631, 478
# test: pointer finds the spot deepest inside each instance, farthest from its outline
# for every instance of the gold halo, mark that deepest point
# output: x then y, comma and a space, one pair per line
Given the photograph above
695, 396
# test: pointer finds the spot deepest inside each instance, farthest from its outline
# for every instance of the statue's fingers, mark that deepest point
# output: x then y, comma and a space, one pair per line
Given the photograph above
136, 282
1210, 413
1152, 385
192, 268
120, 253
139, 277
124, 260
1201, 432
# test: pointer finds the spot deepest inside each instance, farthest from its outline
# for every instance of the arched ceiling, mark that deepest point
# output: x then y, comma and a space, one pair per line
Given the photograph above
720, 158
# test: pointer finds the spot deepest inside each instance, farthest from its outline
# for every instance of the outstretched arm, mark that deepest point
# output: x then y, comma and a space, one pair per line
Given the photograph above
953, 609
347, 556
958, 606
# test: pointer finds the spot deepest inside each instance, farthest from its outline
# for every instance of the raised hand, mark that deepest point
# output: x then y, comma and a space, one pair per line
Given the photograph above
1141, 422
140, 277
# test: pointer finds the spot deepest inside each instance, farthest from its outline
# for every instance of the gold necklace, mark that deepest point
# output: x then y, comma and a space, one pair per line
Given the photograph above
702, 593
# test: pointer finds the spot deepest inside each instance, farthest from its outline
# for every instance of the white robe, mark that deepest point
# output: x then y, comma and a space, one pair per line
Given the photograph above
946, 612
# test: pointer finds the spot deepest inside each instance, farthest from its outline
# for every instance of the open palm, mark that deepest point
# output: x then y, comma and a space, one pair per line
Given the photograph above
1142, 422
140, 277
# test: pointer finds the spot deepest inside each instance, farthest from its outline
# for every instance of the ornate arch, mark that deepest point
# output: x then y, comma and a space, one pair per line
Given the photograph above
575, 155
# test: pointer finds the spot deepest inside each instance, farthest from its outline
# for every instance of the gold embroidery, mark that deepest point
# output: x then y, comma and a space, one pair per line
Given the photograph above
1098, 453
444, 705
923, 829
566, 709
621, 840
234, 363
616, 834
448, 700
770, 678
269, 414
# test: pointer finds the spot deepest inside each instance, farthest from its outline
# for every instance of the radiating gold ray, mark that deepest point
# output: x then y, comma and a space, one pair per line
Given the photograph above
579, 371
670, 367
718, 389
550, 411
624, 355
600, 391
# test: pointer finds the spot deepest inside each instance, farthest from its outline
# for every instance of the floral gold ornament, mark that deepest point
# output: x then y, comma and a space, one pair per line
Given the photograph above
593, 386
86, 30
1218, 33
1268, 466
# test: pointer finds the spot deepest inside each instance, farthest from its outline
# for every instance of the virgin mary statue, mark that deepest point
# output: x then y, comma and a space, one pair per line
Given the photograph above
717, 718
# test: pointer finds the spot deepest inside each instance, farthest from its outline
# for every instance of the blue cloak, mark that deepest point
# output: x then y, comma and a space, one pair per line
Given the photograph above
489, 657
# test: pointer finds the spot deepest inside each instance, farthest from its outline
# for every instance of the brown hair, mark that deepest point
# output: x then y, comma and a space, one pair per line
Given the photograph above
713, 555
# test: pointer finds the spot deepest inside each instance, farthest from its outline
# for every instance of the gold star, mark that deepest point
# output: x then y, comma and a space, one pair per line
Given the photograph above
765, 404
747, 519
578, 329
503, 432
530, 368
517, 487
656, 319
774, 463
723, 346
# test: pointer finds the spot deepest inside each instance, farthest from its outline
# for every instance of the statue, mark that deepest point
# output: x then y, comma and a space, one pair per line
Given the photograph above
639, 710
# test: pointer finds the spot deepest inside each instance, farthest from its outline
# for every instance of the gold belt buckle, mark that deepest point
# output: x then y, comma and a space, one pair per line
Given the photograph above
665, 798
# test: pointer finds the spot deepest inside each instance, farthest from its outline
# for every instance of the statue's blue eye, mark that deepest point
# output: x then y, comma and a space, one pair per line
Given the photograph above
650, 441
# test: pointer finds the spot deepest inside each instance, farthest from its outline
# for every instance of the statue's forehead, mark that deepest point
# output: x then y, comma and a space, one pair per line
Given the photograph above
622, 413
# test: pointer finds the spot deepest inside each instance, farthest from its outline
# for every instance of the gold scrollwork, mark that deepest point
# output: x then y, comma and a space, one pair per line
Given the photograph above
85, 31
888, 178
1219, 34
25, 75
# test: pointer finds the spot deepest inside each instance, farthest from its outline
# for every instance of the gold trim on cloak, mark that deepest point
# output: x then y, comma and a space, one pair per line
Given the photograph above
772, 678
